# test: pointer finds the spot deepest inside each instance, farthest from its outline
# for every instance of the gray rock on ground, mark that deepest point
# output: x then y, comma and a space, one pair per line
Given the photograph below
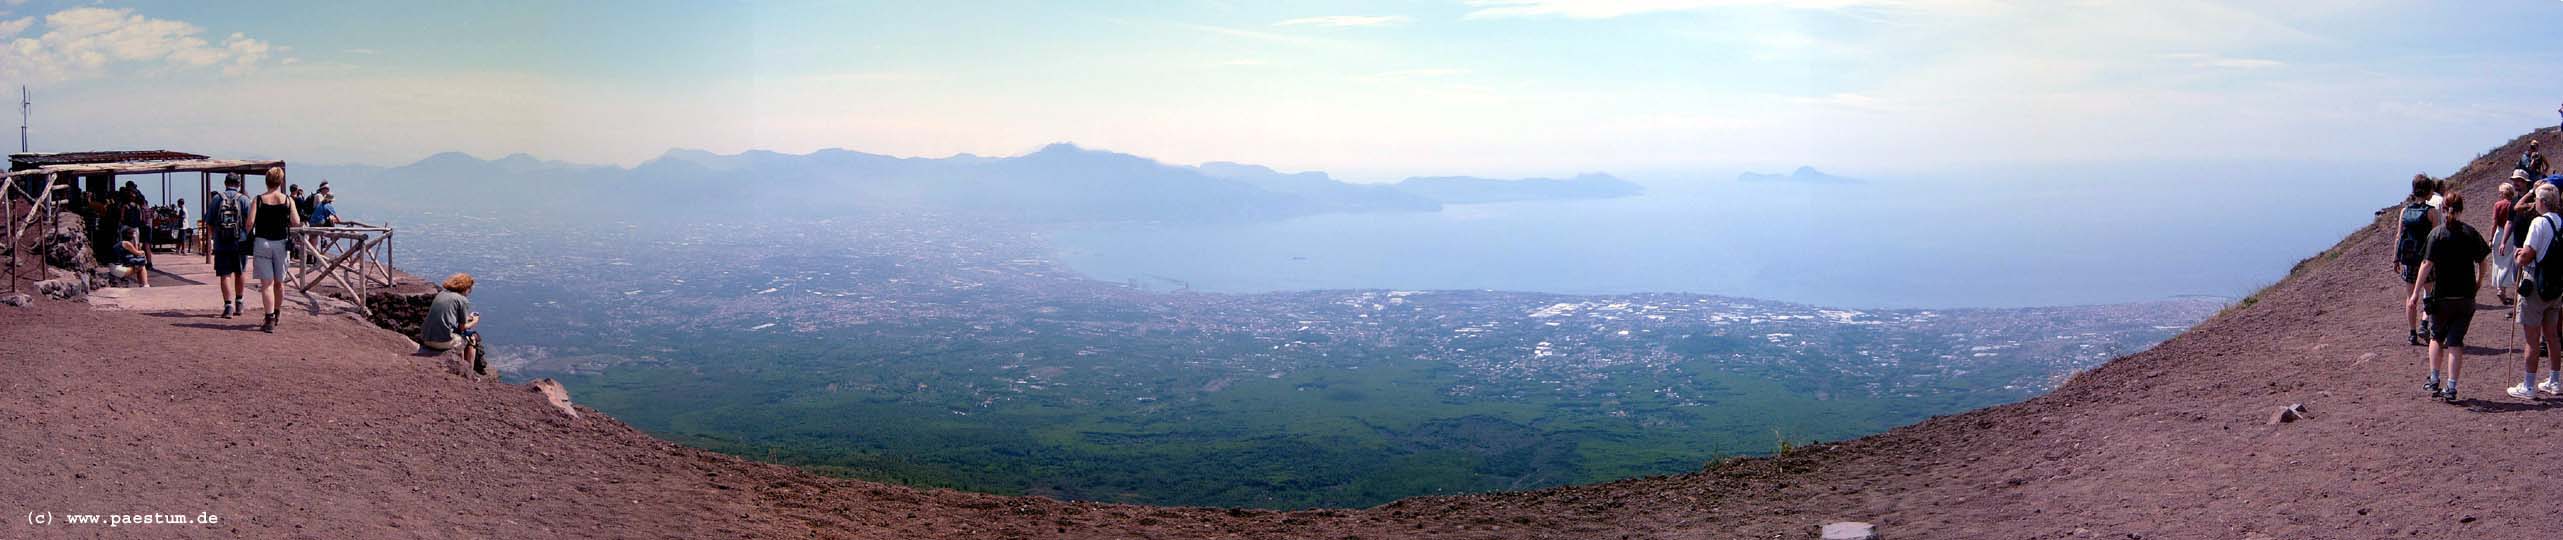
19, 300
62, 288
2290, 413
1850, 530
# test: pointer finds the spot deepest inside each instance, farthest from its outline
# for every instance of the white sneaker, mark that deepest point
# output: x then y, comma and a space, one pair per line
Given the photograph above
2520, 391
2549, 388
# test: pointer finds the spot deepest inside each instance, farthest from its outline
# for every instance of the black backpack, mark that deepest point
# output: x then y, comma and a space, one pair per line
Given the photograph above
2416, 231
227, 216
2548, 278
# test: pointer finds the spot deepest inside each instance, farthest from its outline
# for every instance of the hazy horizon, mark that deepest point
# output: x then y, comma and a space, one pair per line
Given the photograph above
1364, 91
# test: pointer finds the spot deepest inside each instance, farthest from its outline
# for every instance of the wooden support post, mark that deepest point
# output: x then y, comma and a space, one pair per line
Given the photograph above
10, 216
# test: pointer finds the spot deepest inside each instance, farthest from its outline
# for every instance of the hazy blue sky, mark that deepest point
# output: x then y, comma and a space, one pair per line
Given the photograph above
1370, 90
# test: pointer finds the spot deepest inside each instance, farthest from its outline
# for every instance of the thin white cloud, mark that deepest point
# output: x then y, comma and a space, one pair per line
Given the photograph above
1419, 73
1348, 21
1846, 101
1257, 35
1605, 9
2206, 60
1239, 62
361, 51
1426, 72
87, 42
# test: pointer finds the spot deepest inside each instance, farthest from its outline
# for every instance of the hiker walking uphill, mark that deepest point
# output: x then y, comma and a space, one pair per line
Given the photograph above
2453, 262
2541, 295
2504, 272
2533, 161
2411, 234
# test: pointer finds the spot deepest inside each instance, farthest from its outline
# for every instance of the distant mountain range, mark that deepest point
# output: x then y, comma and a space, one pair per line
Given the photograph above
1804, 175
1059, 182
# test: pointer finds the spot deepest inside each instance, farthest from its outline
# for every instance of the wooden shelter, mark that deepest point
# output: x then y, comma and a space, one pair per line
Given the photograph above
355, 256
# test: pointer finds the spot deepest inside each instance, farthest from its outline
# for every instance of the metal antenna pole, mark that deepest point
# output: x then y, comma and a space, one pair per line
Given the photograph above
23, 108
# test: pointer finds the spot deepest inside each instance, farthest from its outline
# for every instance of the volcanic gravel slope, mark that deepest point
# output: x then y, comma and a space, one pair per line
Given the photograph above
329, 429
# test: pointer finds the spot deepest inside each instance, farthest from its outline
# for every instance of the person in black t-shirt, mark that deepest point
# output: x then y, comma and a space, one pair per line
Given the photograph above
2452, 267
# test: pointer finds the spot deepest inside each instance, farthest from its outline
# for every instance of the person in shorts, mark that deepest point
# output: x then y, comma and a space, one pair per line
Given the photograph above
2538, 316
2454, 258
133, 260
227, 237
272, 218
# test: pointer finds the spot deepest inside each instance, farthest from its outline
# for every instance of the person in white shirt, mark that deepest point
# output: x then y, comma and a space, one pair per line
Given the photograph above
2539, 316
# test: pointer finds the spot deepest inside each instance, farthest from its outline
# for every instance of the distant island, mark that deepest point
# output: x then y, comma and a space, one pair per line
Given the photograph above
1471, 190
1804, 175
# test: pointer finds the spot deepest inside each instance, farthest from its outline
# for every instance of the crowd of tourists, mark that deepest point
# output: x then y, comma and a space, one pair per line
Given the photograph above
2447, 262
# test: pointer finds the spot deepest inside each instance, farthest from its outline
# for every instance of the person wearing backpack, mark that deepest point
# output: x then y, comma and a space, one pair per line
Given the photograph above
227, 229
2540, 309
2451, 264
2411, 234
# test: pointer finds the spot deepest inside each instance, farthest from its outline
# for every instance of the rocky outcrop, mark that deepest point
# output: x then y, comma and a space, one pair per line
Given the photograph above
555, 394
61, 284
66, 245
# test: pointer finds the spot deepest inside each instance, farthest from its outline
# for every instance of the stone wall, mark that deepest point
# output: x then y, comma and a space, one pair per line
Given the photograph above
400, 310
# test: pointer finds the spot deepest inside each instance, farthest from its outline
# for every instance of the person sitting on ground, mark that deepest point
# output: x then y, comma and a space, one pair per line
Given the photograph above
2539, 316
451, 324
131, 262
2411, 234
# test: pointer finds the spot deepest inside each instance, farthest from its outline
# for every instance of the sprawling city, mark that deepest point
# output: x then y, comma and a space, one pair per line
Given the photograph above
949, 352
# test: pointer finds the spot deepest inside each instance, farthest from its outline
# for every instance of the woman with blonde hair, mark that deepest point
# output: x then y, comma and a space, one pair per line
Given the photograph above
451, 324
272, 219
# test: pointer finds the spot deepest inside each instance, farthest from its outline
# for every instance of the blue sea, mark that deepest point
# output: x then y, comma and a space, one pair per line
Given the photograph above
2031, 236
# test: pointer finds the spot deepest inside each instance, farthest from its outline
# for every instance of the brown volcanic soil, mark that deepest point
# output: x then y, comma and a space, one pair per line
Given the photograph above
329, 429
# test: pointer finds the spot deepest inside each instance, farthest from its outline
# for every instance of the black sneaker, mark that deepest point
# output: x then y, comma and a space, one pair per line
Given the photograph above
2432, 387
2447, 395
2416, 338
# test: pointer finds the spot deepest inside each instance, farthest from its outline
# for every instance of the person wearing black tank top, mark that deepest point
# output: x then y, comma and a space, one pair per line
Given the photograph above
272, 217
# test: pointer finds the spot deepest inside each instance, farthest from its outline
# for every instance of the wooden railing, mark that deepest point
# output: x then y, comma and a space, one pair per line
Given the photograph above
355, 256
